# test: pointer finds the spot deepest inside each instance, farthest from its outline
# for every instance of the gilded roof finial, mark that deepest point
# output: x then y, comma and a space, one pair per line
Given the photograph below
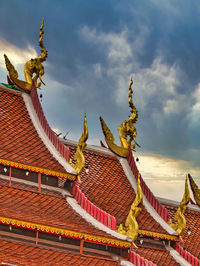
33, 66
195, 190
126, 129
131, 226
179, 218
79, 157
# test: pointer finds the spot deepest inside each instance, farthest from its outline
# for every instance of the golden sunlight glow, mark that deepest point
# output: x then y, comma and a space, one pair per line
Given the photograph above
17, 55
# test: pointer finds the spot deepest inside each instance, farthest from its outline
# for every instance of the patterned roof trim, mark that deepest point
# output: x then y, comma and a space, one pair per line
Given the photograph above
37, 169
66, 233
157, 235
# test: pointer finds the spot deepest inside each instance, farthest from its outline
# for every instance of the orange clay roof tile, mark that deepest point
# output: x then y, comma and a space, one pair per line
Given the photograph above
159, 257
43, 209
19, 139
107, 186
191, 241
23, 254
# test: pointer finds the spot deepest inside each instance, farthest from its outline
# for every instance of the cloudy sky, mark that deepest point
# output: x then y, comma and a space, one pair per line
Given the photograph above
93, 48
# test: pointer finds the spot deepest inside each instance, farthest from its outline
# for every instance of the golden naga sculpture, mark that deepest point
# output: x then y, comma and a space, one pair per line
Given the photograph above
179, 218
195, 190
131, 226
79, 157
33, 66
126, 129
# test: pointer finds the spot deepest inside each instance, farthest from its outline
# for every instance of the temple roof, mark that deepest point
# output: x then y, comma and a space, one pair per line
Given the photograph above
191, 235
107, 186
21, 142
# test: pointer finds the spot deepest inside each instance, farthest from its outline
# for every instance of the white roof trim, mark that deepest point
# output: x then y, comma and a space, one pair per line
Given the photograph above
44, 137
146, 203
78, 209
89, 147
126, 263
177, 203
178, 258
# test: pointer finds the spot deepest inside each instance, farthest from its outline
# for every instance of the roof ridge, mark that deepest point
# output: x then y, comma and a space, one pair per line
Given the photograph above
187, 255
89, 218
136, 259
96, 212
93, 148
44, 131
131, 172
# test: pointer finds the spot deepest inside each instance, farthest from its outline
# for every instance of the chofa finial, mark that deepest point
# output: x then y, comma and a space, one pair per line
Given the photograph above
79, 157
33, 66
179, 218
127, 130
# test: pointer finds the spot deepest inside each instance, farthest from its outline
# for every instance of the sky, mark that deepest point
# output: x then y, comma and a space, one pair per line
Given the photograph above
93, 48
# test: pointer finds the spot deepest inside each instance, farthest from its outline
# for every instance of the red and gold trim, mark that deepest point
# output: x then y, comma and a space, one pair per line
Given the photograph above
65, 233
157, 235
37, 169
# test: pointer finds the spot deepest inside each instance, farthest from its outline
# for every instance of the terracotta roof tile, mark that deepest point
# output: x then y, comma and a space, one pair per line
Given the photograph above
158, 257
23, 254
43, 209
107, 186
19, 139
191, 241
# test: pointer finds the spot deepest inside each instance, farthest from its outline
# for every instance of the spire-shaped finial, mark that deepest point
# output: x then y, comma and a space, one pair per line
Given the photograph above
179, 218
33, 66
131, 227
195, 190
79, 157
126, 129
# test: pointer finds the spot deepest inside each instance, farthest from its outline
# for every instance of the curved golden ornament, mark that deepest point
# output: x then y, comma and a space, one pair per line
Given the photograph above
179, 218
110, 140
79, 157
195, 190
131, 228
126, 129
33, 66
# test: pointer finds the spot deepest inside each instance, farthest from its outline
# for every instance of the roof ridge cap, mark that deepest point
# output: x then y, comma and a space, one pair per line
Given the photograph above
148, 206
43, 136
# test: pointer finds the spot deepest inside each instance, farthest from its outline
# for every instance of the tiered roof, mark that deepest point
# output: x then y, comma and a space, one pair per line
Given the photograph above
44, 220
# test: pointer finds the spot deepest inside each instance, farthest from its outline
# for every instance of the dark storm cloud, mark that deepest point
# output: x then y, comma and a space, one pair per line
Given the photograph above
93, 48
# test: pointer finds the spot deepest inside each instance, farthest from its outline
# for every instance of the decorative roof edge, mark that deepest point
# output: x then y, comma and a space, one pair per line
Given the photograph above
90, 219
39, 128
37, 169
186, 256
98, 214
136, 259
157, 235
64, 232
146, 203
